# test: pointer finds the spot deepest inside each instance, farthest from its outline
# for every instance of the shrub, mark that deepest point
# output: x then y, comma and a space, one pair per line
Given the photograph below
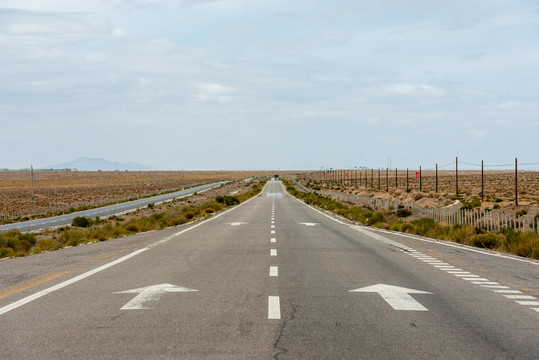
395, 226
404, 213
80, 221
487, 241
6, 252
407, 228
461, 233
16, 241
151, 205
423, 226
471, 204
46, 245
132, 228
227, 200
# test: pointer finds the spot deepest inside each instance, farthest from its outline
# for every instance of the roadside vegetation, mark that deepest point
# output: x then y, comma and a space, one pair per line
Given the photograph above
521, 243
84, 230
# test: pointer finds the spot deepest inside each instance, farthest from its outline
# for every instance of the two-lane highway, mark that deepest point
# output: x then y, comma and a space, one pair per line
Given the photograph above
271, 278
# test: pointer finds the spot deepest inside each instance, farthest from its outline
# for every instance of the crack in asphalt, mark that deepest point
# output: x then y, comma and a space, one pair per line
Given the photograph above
282, 351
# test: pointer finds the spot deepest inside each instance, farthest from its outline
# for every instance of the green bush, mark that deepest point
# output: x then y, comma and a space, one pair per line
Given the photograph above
404, 213
475, 202
407, 228
16, 241
423, 226
227, 200
487, 241
80, 221
6, 252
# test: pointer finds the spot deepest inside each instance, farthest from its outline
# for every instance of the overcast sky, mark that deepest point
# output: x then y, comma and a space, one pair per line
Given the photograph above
255, 84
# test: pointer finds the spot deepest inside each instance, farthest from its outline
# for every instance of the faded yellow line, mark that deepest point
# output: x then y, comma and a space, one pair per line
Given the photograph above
30, 283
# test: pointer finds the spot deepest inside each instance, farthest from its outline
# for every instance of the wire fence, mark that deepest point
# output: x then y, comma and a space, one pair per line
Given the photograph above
490, 220
486, 181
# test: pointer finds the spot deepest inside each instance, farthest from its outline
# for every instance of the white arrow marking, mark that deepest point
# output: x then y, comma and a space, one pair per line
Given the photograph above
237, 223
396, 296
148, 296
308, 224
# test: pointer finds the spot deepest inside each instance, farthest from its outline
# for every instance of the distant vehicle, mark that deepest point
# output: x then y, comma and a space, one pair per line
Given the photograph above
275, 177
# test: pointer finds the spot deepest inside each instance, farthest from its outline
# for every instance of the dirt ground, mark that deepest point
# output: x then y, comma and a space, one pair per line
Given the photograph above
55, 191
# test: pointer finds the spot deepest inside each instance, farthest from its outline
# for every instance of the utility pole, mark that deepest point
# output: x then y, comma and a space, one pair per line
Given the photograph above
516, 182
32, 172
436, 177
420, 180
457, 175
482, 182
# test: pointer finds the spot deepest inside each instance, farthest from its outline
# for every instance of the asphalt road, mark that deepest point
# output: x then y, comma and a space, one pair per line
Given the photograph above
104, 211
273, 280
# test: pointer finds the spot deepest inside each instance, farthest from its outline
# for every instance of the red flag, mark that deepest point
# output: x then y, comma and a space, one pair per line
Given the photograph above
417, 174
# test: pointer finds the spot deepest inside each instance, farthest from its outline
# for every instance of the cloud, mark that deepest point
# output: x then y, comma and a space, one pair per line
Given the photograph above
21, 22
413, 89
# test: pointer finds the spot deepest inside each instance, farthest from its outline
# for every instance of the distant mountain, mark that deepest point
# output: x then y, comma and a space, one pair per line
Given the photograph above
94, 164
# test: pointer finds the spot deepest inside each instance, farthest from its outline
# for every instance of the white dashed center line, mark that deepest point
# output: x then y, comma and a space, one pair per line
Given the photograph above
274, 271
273, 252
274, 308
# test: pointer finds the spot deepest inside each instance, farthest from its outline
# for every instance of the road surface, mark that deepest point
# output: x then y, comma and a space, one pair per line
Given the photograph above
269, 279
104, 211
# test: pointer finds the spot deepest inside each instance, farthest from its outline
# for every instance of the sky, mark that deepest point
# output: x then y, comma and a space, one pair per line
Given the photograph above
269, 84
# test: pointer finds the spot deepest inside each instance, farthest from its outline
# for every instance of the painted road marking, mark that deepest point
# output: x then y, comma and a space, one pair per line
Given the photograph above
273, 240
273, 226
308, 224
273, 252
149, 296
274, 271
508, 291
532, 303
523, 297
475, 279
274, 308
396, 296
273, 231
238, 223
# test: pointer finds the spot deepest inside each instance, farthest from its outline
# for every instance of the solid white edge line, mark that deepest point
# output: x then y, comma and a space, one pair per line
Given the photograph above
63, 284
